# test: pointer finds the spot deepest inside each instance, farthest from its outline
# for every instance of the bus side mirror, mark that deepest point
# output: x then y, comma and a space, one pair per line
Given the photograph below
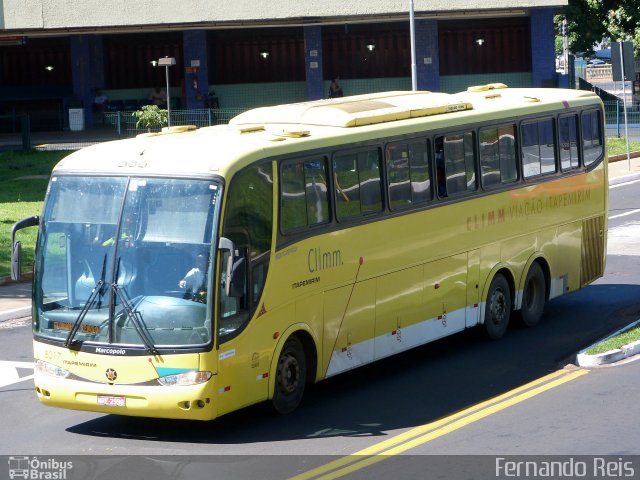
16, 261
16, 247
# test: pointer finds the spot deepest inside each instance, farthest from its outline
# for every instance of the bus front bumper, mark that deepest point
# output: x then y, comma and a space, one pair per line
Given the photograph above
193, 402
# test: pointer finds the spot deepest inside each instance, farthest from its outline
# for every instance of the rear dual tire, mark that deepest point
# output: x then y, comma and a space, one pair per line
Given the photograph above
497, 308
534, 296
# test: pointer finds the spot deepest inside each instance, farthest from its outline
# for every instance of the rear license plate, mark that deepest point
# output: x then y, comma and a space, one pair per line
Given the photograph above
111, 401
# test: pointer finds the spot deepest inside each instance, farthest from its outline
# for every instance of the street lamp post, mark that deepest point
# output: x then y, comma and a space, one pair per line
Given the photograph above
412, 33
167, 62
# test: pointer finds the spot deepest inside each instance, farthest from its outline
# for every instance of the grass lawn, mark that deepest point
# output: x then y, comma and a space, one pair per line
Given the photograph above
625, 338
617, 146
23, 183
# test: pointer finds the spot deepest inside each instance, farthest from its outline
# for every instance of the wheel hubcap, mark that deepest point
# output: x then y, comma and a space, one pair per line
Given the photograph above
289, 374
498, 307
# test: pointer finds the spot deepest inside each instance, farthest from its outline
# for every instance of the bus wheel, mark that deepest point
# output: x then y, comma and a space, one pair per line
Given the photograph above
291, 377
497, 308
533, 296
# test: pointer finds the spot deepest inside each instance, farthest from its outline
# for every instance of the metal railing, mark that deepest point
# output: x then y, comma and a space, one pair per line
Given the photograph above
615, 119
125, 123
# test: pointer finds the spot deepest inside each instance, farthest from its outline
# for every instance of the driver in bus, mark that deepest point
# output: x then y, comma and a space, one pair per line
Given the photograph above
195, 281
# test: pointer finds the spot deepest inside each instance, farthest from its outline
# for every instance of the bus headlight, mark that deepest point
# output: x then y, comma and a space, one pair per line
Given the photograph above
51, 370
184, 379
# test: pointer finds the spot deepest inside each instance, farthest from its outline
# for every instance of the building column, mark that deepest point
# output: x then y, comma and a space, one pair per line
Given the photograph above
543, 66
427, 55
98, 76
81, 77
196, 68
313, 62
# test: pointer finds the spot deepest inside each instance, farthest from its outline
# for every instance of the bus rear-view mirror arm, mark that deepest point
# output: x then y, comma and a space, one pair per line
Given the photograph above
16, 247
226, 245
236, 286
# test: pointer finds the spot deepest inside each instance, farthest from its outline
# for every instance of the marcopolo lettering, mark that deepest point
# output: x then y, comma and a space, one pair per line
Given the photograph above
111, 351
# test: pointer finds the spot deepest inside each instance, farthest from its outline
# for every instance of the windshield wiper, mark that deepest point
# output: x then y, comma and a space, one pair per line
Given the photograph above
136, 318
97, 290
83, 313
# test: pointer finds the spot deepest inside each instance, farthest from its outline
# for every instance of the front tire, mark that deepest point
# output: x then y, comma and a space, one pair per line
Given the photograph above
291, 377
497, 308
534, 296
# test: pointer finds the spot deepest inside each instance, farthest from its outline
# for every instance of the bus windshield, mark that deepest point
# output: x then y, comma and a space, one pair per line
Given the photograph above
126, 261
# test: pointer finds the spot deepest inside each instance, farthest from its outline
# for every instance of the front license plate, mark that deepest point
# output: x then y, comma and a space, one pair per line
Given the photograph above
111, 401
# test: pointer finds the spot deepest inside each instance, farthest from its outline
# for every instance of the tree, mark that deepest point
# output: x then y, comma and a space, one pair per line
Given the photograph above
591, 21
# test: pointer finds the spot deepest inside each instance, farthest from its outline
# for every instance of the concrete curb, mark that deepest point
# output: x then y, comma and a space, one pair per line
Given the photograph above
26, 277
15, 314
624, 179
612, 356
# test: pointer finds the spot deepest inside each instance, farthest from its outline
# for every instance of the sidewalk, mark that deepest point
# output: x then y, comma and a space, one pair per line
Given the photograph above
15, 299
64, 140
622, 170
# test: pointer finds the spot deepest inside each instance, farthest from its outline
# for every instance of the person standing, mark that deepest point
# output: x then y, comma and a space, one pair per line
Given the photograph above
100, 105
335, 90
158, 97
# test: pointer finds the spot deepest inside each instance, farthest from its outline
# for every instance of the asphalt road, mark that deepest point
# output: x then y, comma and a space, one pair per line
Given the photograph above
459, 396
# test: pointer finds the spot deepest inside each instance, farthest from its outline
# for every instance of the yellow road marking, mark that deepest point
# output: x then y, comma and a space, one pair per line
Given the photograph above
430, 431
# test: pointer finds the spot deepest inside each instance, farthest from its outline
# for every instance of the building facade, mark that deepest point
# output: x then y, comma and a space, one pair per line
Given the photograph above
56, 54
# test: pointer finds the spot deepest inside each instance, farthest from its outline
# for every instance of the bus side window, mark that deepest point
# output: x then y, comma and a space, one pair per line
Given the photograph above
547, 146
397, 156
538, 148
457, 153
408, 174
440, 173
419, 172
568, 139
530, 150
498, 156
489, 157
508, 157
591, 137
304, 197
357, 183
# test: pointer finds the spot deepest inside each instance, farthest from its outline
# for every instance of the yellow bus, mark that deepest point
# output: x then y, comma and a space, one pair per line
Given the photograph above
190, 273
